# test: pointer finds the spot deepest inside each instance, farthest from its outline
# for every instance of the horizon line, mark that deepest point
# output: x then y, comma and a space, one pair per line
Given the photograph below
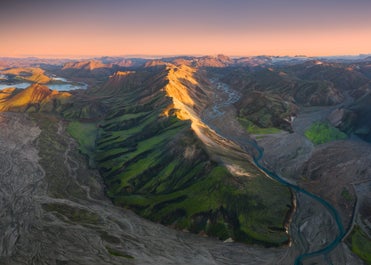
160, 56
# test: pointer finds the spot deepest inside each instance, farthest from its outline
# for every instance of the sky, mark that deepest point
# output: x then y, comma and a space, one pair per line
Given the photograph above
85, 28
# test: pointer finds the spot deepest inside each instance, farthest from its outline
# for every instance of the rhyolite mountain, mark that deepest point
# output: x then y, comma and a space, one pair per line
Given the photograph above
34, 98
153, 161
31, 74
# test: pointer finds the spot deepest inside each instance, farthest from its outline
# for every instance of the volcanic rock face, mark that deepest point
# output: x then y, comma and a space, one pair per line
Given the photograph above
362, 123
342, 118
353, 119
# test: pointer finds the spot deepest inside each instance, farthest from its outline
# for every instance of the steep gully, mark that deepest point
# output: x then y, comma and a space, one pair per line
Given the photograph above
223, 99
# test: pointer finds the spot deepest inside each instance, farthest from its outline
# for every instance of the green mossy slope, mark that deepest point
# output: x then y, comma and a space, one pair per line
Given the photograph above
155, 165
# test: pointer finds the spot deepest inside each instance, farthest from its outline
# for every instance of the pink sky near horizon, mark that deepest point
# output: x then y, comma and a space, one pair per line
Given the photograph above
163, 27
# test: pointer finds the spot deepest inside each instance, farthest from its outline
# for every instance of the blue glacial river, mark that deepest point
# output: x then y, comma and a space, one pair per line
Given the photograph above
328, 206
217, 111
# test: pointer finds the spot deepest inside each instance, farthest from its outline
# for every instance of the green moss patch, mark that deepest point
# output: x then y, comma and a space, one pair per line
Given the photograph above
254, 129
323, 132
85, 134
360, 244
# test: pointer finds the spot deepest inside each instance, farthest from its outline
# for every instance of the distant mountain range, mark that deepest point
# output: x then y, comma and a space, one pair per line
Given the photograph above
293, 81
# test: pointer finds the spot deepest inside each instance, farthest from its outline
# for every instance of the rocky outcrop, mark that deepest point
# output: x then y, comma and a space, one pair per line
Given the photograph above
266, 110
342, 118
313, 93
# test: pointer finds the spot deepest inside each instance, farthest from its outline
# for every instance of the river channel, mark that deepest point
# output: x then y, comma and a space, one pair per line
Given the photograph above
225, 97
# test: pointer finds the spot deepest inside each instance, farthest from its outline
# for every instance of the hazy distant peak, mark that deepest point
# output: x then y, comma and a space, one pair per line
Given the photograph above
86, 65
155, 63
212, 61
224, 58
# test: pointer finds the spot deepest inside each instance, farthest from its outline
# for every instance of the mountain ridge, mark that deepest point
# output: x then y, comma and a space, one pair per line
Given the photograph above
167, 182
